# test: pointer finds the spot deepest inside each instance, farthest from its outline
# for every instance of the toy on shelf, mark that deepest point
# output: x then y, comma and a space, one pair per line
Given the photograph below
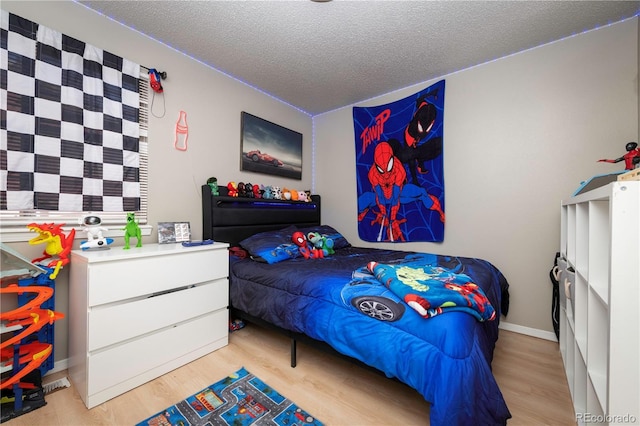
631, 158
267, 192
276, 192
232, 189
213, 184
57, 244
257, 192
132, 229
93, 228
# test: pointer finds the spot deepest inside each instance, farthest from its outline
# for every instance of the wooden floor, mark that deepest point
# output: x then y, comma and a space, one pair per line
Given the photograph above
528, 370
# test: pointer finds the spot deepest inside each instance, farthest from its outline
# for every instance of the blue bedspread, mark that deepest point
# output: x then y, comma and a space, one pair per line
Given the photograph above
447, 358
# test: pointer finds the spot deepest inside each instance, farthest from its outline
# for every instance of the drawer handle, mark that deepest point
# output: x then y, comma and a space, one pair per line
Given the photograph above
173, 290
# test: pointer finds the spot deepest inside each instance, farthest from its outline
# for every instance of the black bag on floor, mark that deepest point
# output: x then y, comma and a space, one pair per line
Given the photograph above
555, 298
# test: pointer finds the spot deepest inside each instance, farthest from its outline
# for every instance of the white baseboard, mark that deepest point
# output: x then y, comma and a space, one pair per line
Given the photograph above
534, 332
58, 366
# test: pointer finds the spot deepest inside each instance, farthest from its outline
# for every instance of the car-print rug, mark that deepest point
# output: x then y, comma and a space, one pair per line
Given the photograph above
239, 399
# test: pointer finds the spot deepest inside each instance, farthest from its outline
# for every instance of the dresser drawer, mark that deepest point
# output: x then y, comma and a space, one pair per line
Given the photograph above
124, 362
130, 278
110, 324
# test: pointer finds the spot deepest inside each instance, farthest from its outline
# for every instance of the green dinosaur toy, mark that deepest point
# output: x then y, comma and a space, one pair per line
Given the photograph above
132, 230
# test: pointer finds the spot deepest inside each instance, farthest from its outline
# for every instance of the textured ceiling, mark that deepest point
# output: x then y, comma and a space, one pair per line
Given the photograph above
319, 56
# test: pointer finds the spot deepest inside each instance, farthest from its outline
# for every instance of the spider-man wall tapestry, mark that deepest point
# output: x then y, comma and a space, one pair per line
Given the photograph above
399, 168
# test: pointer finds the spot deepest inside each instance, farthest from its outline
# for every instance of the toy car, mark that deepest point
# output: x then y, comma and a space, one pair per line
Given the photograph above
257, 156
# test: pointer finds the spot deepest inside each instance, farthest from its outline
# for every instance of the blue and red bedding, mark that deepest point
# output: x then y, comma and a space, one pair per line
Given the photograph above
444, 352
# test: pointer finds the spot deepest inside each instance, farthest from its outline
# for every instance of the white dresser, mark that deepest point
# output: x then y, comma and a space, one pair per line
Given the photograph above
137, 314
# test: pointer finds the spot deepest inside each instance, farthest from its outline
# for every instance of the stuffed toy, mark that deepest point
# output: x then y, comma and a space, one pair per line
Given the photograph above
286, 194
240, 189
257, 192
267, 192
294, 195
277, 193
321, 242
233, 189
302, 196
308, 192
306, 250
248, 190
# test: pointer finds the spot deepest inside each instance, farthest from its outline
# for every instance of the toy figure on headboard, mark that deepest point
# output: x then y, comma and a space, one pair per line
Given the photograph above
232, 189
213, 184
132, 230
631, 158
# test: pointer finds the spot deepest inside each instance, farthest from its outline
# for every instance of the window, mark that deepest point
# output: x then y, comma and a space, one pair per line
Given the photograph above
13, 222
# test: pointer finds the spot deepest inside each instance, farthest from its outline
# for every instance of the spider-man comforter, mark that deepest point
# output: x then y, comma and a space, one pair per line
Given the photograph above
447, 358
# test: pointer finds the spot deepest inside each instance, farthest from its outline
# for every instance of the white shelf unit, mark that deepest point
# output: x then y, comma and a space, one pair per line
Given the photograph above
600, 321
137, 314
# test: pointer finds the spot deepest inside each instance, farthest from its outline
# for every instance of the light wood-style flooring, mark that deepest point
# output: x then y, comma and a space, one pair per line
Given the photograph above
338, 392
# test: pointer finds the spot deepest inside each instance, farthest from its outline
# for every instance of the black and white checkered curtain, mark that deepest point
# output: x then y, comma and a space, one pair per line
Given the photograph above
70, 132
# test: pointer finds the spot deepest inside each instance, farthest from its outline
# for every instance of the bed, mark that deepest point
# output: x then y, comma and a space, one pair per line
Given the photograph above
427, 320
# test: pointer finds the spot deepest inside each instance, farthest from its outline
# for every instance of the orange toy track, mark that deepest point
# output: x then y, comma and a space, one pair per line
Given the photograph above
33, 355
34, 320
42, 295
28, 316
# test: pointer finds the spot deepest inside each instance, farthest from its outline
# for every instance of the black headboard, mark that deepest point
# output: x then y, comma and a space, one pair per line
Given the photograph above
232, 219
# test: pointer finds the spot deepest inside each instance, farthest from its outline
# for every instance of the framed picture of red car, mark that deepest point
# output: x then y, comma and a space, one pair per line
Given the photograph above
269, 148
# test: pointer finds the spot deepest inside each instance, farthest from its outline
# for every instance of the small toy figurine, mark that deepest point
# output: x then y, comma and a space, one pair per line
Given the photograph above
233, 189
132, 230
631, 158
93, 228
213, 184
57, 244
277, 193
257, 192
286, 193
248, 190
267, 192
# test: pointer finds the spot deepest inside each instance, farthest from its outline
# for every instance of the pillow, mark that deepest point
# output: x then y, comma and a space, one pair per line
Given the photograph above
339, 241
271, 246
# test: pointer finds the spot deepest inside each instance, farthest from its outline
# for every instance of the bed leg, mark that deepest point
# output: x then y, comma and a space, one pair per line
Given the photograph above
293, 352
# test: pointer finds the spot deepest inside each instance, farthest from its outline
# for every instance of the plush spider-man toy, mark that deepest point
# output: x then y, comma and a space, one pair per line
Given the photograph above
304, 247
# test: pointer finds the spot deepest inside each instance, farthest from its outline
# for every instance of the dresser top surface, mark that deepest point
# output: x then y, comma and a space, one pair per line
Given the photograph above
147, 250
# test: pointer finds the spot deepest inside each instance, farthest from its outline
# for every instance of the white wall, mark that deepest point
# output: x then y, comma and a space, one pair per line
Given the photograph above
520, 134
213, 102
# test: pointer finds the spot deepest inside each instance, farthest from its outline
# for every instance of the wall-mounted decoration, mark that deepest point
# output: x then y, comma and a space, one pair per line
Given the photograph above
173, 232
182, 132
399, 168
269, 148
